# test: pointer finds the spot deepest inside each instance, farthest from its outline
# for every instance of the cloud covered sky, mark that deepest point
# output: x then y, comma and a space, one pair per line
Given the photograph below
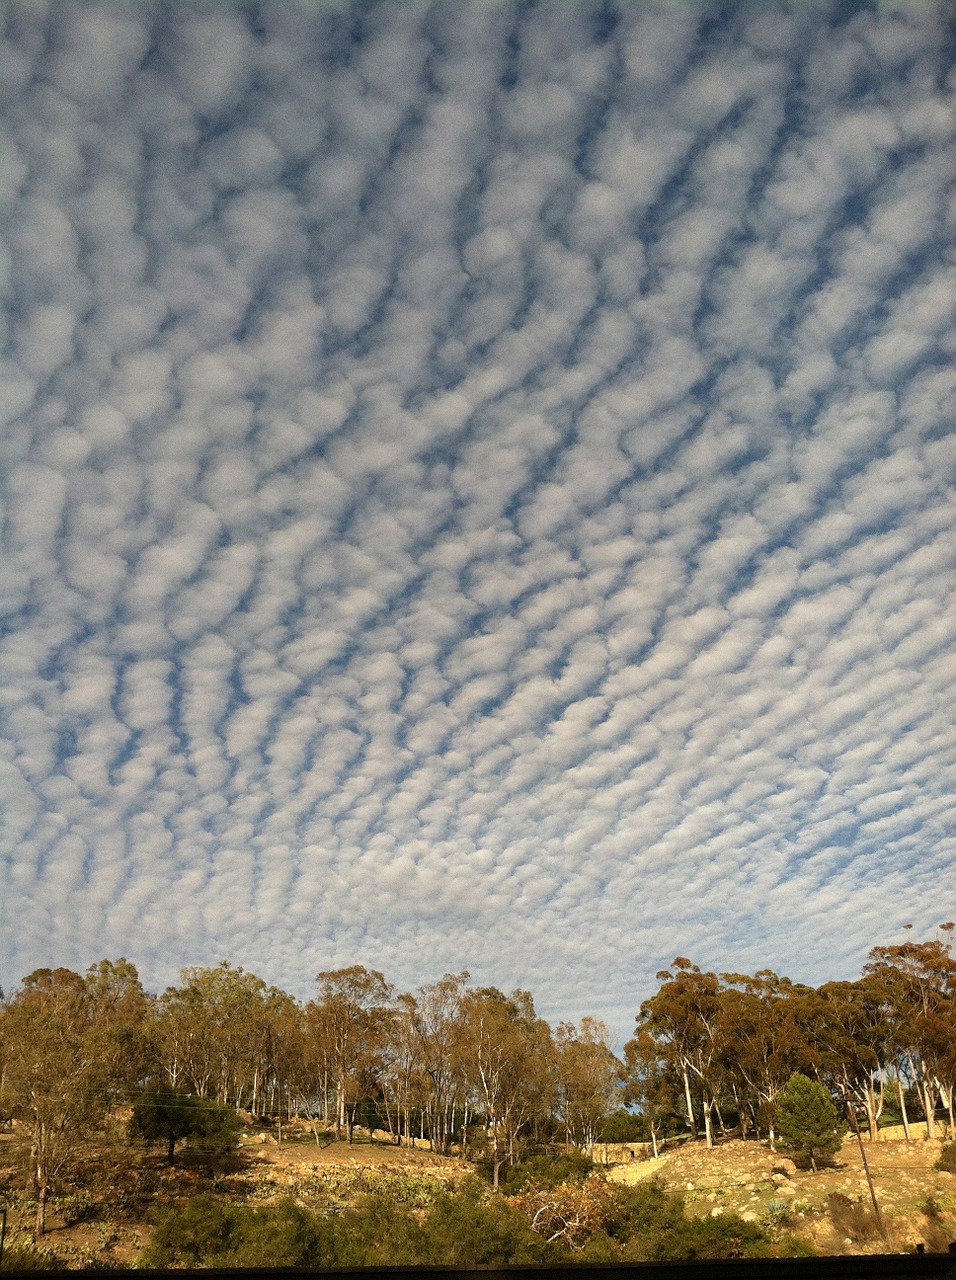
478, 485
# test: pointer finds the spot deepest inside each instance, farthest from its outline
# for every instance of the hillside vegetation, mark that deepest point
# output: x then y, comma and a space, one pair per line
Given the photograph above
229, 1090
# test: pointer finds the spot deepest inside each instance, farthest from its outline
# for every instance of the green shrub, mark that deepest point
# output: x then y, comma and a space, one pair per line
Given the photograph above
468, 1227
27, 1257
76, 1206
624, 1126
548, 1171
947, 1158
210, 1233
652, 1226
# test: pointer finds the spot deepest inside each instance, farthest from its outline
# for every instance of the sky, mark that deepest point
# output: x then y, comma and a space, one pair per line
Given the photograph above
478, 488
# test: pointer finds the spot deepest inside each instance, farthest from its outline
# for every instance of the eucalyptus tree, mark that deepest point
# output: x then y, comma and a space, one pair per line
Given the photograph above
684, 1019
852, 1036
351, 1020
587, 1078
505, 1053
66, 1045
762, 1041
917, 981
437, 1026
650, 1083
212, 1034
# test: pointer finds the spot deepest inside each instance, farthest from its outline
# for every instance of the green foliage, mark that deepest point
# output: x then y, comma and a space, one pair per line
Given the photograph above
947, 1158
807, 1120
212, 1233
624, 1126
548, 1171
652, 1226
27, 1257
76, 1206
778, 1213
167, 1117
468, 1227
472, 1228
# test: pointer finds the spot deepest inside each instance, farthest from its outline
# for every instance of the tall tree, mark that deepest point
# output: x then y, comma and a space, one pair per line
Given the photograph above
761, 1041
588, 1078
506, 1054
352, 1018
60, 1033
651, 1085
852, 1034
918, 983
684, 1019
437, 1023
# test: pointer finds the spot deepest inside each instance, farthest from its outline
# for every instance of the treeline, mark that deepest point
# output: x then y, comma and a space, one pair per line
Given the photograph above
469, 1067
708, 1046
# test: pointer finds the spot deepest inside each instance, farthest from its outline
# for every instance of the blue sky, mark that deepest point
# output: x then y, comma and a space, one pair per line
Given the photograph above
478, 488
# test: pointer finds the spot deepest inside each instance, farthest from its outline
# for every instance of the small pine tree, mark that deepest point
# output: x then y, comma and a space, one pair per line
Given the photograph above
165, 1116
808, 1121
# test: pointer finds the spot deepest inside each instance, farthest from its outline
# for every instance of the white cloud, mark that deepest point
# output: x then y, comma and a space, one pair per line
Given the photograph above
475, 491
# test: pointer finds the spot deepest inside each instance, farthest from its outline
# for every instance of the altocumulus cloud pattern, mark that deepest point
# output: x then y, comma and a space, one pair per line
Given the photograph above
478, 488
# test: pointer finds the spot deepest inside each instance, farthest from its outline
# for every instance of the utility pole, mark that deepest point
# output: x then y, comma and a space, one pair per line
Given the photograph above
851, 1112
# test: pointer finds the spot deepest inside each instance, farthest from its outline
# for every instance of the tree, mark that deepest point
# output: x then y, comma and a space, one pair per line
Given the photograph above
212, 1034
683, 1017
651, 1086
917, 981
852, 1042
351, 1019
165, 1116
437, 1023
588, 1077
761, 1040
808, 1120
506, 1054
61, 1067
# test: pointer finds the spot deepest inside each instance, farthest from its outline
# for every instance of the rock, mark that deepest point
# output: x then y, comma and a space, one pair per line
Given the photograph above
786, 1189
716, 1213
748, 1215
782, 1165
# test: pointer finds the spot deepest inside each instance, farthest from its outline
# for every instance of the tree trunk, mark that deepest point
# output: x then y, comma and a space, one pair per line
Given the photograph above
929, 1109
691, 1119
708, 1126
42, 1192
905, 1117
170, 1149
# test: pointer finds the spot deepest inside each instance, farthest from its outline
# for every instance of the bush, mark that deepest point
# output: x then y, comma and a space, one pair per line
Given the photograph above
76, 1206
624, 1126
465, 1228
209, 1233
548, 1171
947, 1158
27, 1257
472, 1228
852, 1219
469, 1227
